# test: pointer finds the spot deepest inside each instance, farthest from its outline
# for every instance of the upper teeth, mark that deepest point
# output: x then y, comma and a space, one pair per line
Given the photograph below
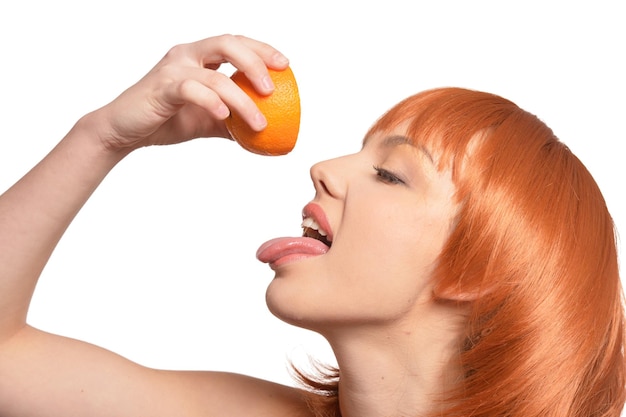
312, 224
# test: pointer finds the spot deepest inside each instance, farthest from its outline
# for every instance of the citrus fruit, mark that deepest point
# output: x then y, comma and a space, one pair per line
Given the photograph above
281, 109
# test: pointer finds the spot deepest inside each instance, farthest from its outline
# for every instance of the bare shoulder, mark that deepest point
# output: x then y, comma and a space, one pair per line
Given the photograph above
42, 374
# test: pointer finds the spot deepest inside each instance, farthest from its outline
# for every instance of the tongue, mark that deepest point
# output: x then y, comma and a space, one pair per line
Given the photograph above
278, 248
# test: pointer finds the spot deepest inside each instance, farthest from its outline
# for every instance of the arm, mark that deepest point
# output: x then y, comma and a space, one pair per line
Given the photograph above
35, 212
183, 97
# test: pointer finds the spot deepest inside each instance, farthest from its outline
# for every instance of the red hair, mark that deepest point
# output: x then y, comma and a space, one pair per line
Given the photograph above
534, 248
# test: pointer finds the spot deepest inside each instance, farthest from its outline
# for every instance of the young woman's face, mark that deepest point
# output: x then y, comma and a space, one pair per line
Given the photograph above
388, 212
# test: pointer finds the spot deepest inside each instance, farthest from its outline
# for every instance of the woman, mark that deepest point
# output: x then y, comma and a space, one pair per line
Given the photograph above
462, 263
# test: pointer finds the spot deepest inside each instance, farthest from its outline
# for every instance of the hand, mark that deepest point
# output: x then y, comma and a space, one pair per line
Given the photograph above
185, 97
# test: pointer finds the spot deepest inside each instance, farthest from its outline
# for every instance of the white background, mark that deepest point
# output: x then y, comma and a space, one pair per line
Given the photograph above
160, 266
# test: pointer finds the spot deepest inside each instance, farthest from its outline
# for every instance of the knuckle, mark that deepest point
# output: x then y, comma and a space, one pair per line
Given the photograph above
185, 87
227, 38
177, 51
223, 41
217, 81
166, 73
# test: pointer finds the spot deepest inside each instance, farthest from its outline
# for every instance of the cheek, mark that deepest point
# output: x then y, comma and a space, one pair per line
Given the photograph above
410, 245
406, 233
393, 255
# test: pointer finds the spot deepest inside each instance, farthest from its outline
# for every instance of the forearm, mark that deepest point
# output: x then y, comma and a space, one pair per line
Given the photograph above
178, 100
37, 210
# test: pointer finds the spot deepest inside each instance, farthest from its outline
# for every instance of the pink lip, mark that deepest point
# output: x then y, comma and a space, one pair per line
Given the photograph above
283, 250
316, 212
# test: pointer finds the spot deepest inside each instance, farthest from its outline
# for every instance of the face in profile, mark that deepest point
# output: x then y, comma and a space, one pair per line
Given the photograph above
388, 211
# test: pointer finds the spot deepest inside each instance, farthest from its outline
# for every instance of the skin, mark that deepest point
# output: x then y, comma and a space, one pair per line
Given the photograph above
370, 295
182, 98
381, 257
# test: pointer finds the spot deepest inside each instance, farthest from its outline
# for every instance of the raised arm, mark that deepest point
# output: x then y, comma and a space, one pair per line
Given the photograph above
183, 97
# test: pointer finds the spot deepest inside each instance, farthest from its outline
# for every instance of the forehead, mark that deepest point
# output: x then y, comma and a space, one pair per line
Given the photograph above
394, 140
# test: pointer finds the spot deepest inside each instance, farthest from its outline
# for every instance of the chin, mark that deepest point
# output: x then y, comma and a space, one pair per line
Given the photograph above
281, 305
287, 304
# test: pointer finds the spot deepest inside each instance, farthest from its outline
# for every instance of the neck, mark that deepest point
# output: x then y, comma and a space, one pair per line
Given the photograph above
398, 369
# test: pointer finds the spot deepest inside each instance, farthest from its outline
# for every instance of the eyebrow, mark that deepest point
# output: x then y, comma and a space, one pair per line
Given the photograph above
396, 140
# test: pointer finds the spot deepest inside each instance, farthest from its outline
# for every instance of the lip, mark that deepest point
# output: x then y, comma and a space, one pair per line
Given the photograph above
285, 250
315, 211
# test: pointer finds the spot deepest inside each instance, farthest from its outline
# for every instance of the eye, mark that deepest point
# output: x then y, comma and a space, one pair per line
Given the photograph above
387, 176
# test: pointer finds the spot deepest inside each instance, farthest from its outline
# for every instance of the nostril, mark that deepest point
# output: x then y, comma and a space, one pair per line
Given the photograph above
324, 187
318, 179
326, 179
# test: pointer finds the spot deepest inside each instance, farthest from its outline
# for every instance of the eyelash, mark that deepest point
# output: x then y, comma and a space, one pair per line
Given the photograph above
387, 176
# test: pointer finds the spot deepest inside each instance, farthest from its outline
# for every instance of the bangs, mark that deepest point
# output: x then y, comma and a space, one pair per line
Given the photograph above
446, 121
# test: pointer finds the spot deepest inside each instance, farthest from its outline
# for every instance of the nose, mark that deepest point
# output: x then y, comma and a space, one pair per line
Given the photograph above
328, 179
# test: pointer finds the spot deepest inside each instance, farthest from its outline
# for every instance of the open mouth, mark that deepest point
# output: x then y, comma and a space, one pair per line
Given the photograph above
310, 228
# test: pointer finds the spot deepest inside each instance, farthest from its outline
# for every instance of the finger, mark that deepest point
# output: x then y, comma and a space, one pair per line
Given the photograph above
272, 57
247, 55
217, 94
191, 91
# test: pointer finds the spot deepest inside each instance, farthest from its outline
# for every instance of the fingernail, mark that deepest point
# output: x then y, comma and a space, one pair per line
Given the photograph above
222, 111
281, 59
267, 83
261, 121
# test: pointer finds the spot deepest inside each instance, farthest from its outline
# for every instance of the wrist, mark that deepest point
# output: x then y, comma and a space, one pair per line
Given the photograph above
91, 129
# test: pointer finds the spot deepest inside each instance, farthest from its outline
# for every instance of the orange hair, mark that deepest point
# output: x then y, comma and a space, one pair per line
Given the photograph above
535, 241
534, 248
